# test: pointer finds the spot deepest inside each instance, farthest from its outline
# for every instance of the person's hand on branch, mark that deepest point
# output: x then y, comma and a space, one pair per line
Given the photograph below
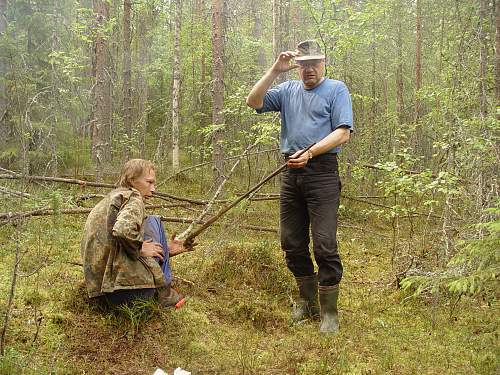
178, 246
282, 63
151, 249
301, 161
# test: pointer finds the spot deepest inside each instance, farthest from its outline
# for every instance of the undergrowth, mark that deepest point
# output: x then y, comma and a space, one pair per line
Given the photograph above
236, 318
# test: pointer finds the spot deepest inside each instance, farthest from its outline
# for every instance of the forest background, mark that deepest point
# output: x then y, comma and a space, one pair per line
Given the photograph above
86, 85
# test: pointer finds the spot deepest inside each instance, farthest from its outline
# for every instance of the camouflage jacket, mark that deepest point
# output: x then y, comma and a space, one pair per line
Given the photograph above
111, 245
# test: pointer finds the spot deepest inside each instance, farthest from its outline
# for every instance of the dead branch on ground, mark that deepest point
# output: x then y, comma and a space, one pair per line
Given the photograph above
14, 193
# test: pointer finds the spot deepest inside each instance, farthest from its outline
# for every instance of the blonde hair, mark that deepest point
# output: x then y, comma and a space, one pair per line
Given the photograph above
133, 169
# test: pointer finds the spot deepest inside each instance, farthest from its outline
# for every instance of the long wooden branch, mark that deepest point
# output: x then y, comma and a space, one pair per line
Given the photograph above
83, 183
216, 195
45, 211
7, 217
223, 210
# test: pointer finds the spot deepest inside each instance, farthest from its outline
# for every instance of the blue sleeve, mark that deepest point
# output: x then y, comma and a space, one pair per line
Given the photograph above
272, 99
341, 108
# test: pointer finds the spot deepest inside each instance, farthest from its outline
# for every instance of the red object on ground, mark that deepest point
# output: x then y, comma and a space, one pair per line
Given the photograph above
181, 303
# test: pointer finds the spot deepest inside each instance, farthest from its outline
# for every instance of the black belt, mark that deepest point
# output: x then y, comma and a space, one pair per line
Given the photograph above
318, 157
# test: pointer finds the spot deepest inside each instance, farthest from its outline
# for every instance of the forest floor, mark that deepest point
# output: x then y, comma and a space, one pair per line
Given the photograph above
236, 318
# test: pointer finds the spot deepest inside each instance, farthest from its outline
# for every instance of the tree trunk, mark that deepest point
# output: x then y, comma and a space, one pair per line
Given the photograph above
217, 89
497, 55
257, 34
276, 28
176, 86
399, 73
55, 92
127, 79
483, 58
3, 76
418, 61
142, 57
102, 90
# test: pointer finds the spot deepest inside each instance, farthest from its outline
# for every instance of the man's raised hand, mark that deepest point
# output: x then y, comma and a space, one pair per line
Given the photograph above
282, 63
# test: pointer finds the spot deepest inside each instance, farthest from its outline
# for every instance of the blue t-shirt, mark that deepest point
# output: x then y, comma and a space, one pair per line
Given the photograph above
308, 116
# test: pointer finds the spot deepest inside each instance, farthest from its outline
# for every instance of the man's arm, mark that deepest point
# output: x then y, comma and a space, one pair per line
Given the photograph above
126, 225
336, 138
255, 99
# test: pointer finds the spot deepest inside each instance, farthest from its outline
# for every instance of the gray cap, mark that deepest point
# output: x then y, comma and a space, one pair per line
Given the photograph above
309, 50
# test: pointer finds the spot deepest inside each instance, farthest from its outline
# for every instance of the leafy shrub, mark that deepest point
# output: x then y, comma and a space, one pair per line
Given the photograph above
474, 270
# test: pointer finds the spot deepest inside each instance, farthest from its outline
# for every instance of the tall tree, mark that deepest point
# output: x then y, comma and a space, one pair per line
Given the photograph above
497, 56
277, 34
55, 92
418, 60
399, 69
257, 33
142, 54
483, 58
218, 89
176, 86
127, 78
101, 122
3, 73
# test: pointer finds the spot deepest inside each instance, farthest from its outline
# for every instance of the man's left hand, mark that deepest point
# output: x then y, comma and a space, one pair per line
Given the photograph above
296, 161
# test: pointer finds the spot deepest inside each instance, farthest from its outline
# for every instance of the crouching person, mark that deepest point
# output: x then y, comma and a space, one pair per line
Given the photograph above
125, 253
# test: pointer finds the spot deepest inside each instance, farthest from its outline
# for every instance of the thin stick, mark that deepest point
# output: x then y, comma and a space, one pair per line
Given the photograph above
216, 195
238, 200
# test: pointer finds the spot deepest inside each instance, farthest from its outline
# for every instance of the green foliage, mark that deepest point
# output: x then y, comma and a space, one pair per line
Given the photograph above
414, 190
474, 270
480, 260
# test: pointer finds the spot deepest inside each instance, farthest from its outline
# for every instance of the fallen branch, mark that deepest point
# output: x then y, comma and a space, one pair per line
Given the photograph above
14, 216
6, 191
7, 171
66, 211
82, 183
214, 218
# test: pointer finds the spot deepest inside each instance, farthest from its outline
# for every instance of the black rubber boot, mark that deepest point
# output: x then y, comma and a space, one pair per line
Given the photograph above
307, 304
168, 296
328, 296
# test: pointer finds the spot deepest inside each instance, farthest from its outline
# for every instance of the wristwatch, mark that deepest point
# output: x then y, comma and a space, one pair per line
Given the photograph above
309, 154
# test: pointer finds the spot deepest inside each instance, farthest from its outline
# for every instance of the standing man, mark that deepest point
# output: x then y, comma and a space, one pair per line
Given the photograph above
316, 110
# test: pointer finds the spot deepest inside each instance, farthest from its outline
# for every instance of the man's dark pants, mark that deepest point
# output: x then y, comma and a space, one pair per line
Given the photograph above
310, 196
